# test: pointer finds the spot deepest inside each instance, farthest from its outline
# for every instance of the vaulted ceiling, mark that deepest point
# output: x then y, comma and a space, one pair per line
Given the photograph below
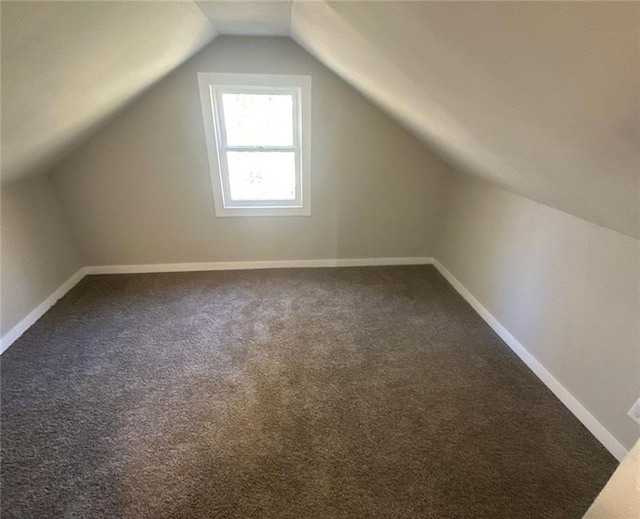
542, 99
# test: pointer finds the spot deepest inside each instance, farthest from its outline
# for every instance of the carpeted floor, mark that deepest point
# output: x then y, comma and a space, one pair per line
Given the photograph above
315, 393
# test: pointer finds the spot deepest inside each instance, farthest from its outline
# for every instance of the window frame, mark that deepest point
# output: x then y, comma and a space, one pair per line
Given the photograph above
212, 87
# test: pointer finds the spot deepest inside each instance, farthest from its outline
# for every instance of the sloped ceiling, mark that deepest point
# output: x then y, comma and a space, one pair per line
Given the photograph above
67, 66
542, 99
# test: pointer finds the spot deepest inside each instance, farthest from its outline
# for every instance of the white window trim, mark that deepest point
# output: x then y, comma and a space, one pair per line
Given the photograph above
211, 85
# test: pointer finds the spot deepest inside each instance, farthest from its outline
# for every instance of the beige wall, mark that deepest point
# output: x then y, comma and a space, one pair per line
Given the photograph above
38, 253
568, 290
140, 192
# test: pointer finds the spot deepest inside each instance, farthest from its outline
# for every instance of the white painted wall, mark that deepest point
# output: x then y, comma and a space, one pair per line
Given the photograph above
38, 253
140, 191
567, 289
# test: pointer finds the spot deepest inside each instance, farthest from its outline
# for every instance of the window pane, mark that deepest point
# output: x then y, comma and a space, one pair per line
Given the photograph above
258, 119
262, 175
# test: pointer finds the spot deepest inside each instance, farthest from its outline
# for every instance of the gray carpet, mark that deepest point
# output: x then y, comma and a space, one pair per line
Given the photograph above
315, 393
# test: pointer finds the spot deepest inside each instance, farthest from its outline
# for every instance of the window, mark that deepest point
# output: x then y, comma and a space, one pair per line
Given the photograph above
258, 129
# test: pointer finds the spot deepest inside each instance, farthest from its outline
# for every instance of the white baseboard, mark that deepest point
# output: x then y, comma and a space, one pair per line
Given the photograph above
12, 335
581, 413
248, 265
589, 421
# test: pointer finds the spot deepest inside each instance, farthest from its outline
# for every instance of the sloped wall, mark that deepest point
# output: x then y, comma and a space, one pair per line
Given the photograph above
38, 253
566, 289
540, 98
139, 192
